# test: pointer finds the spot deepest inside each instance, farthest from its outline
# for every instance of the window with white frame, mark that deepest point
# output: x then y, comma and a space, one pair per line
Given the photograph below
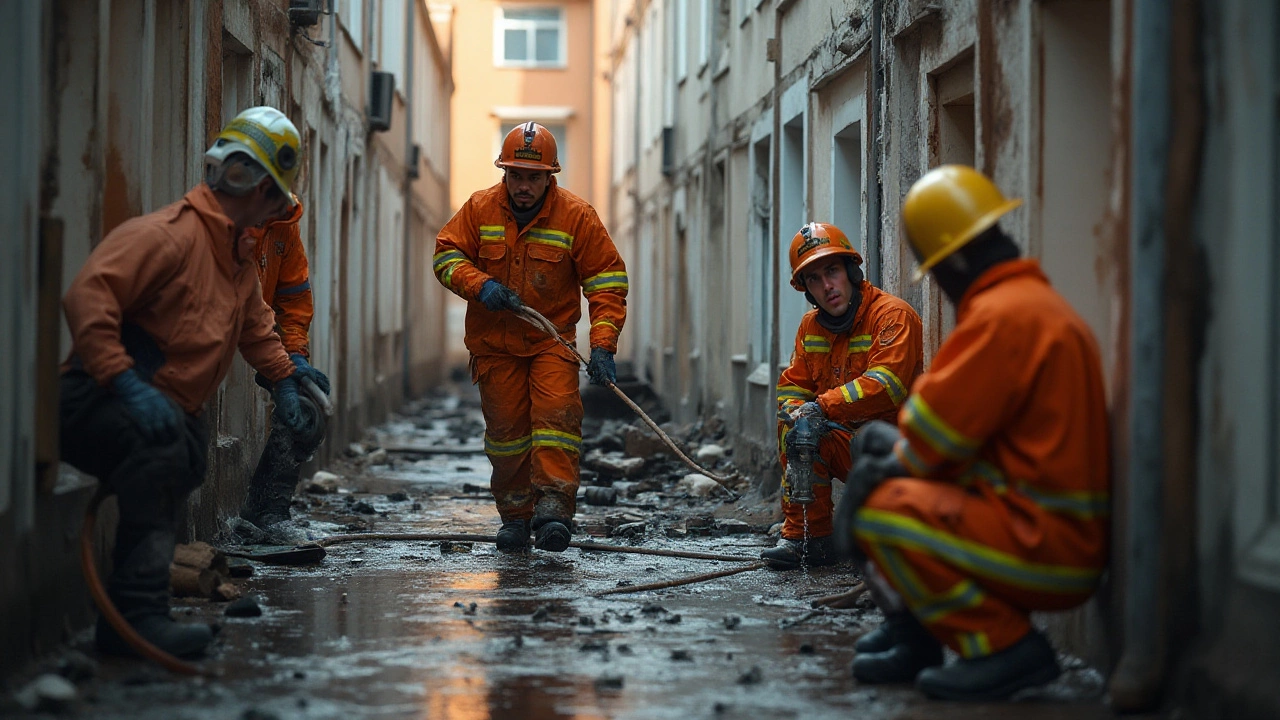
681, 39
530, 37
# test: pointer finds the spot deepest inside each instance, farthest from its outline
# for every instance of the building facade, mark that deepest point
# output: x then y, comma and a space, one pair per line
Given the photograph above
118, 101
1141, 139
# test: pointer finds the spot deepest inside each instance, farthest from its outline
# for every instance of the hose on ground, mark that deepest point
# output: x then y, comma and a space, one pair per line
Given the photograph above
465, 537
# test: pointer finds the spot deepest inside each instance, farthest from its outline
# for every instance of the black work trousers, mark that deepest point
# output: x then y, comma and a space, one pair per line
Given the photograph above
150, 480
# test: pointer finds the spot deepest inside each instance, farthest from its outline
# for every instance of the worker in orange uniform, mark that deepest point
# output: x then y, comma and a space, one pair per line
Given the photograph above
990, 498
286, 287
856, 354
528, 241
156, 315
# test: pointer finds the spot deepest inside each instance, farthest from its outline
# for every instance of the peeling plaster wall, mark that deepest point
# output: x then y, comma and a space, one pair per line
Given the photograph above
130, 93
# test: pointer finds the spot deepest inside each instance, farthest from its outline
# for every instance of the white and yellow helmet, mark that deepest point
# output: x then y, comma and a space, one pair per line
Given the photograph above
271, 139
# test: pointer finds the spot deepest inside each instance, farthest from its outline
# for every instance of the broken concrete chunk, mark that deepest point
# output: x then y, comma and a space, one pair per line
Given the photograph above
323, 483
642, 442
377, 457
363, 508
226, 591
48, 693
732, 526
246, 606
356, 450
751, 677
681, 656
696, 484
731, 622
449, 547
709, 453
398, 497
629, 530
600, 496
625, 488
613, 465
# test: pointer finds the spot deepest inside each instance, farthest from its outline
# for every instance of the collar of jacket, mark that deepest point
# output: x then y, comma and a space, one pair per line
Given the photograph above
291, 219
998, 274
552, 190
222, 232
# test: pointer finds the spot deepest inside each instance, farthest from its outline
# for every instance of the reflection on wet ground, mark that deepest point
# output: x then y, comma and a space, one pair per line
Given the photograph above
416, 630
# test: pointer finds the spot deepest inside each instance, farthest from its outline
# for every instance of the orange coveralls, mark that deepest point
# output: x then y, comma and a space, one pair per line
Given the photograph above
528, 382
1007, 439
857, 376
286, 285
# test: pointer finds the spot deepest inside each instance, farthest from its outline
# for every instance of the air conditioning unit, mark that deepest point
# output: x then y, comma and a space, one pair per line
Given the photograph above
382, 88
415, 160
305, 13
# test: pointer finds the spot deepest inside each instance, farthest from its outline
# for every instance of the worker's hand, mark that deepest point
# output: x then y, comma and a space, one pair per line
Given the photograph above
873, 462
155, 415
497, 296
288, 407
601, 369
876, 438
810, 409
304, 370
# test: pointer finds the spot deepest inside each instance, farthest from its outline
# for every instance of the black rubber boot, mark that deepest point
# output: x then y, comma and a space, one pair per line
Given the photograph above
791, 554
513, 536
897, 627
276, 476
139, 588
912, 649
1027, 663
552, 534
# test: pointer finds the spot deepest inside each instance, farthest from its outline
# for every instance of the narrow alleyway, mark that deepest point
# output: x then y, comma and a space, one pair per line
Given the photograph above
456, 630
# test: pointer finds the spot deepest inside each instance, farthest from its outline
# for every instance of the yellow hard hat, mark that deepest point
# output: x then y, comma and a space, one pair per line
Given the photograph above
947, 208
267, 136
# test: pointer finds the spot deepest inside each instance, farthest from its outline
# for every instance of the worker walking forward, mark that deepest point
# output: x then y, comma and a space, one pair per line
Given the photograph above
156, 315
990, 498
281, 261
528, 241
856, 355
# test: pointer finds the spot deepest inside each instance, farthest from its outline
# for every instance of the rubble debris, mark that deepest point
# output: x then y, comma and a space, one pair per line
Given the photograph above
806, 649
356, 450
731, 622
187, 581
751, 677
629, 530
227, 591
681, 656
239, 568
76, 666
600, 496
625, 650
732, 526
200, 555
479, 489
246, 606
625, 488
640, 441
613, 465
673, 619
586, 621
322, 483
48, 693
362, 507
709, 453
399, 496
450, 547
609, 682
542, 614
376, 457
469, 609
653, 609
697, 485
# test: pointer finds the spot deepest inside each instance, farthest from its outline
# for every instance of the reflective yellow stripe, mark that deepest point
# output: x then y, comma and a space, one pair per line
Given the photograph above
794, 392
974, 644
445, 259
447, 276
506, 448
1081, 504
605, 281
946, 440
490, 233
605, 322
912, 461
854, 396
881, 526
816, 344
898, 570
892, 385
557, 439
546, 236
859, 343
981, 470
962, 596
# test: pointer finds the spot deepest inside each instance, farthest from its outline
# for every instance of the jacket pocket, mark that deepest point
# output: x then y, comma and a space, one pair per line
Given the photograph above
493, 260
547, 268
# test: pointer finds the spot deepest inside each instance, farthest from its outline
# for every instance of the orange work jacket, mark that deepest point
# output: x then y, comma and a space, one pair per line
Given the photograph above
286, 284
563, 253
172, 273
862, 374
1014, 406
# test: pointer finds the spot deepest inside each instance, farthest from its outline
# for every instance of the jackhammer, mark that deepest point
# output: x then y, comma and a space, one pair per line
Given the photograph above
802, 452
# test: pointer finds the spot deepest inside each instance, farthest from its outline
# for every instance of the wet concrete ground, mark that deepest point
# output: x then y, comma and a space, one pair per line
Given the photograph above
416, 630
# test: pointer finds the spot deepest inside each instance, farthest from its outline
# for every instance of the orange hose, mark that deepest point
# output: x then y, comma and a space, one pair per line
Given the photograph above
109, 611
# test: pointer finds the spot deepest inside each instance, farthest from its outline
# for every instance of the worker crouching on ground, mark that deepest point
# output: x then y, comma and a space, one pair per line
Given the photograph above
856, 355
281, 261
992, 501
527, 240
156, 315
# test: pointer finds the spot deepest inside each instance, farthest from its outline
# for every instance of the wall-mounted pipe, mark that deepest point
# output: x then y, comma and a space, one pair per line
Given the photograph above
875, 189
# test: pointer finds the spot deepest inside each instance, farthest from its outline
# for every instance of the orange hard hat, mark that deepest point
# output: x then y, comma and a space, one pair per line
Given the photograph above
529, 146
815, 241
948, 207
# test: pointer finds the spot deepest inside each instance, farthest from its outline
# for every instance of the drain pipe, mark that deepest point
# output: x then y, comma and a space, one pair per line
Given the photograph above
1136, 683
406, 272
876, 189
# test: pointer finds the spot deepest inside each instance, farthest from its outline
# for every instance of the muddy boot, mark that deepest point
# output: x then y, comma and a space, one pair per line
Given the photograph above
897, 627
913, 649
790, 554
513, 536
276, 477
552, 534
139, 588
1027, 663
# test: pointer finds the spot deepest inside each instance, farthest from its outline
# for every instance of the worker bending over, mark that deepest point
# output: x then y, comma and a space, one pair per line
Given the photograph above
156, 315
528, 241
856, 355
990, 498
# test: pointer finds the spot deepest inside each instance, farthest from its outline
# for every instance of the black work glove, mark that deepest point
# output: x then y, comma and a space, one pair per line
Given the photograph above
601, 369
873, 462
155, 414
497, 296
306, 371
809, 409
288, 407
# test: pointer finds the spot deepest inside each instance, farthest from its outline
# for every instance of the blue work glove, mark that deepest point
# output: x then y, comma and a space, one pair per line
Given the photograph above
873, 462
601, 369
154, 413
288, 407
306, 371
497, 296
